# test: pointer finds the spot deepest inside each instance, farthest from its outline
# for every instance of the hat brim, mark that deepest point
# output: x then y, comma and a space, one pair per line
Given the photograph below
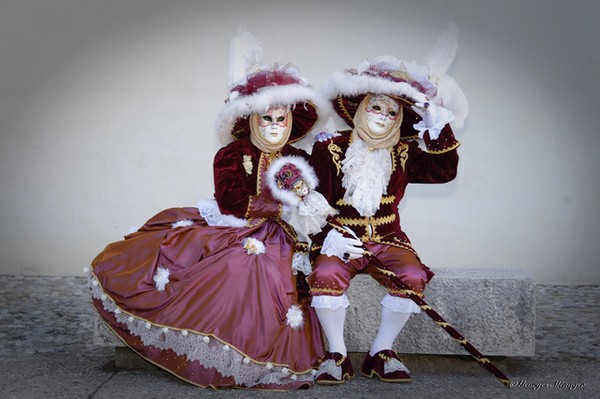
306, 104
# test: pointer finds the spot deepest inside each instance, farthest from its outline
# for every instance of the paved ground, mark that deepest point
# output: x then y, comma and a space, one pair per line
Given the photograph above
46, 351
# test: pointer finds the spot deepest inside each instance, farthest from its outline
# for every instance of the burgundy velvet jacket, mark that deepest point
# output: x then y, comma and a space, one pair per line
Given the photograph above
437, 163
240, 187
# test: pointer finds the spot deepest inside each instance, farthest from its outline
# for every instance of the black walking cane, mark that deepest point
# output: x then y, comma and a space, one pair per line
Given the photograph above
481, 359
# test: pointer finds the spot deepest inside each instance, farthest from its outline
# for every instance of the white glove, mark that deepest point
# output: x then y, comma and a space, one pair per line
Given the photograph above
323, 136
434, 118
335, 244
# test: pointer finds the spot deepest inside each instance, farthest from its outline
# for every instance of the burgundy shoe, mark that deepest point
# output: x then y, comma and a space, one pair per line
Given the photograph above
335, 368
386, 365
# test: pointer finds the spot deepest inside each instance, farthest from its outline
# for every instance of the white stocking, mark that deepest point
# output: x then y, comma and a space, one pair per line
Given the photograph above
332, 323
391, 324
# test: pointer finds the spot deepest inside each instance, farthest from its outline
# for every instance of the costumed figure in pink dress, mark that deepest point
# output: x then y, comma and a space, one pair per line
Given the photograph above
399, 114
216, 294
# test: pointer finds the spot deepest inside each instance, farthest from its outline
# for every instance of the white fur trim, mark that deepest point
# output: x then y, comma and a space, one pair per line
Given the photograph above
260, 101
348, 85
448, 93
308, 175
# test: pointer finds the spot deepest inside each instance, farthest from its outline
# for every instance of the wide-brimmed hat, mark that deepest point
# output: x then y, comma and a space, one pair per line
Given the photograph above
408, 82
254, 88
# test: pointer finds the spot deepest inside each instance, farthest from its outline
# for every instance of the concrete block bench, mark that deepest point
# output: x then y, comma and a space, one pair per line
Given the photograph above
492, 308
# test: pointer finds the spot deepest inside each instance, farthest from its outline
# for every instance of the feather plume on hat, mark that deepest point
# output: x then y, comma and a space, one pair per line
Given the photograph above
245, 57
409, 81
438, 61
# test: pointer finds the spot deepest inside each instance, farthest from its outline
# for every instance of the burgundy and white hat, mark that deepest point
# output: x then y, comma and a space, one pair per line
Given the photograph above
253, 88
408, 82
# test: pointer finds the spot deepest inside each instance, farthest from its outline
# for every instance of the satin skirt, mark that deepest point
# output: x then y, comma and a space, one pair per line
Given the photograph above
192, 299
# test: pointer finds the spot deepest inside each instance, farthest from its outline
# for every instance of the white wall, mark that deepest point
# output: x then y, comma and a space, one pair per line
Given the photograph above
107, 110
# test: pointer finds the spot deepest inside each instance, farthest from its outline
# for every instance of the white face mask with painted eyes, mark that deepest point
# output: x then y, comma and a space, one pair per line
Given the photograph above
273, 124
382, 112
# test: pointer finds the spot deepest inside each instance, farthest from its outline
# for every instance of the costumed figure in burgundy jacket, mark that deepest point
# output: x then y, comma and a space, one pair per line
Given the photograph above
399, 114
210, 293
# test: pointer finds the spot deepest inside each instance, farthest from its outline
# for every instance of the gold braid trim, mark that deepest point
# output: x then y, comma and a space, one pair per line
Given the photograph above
401, 291
325, 290
287, 228
403, 155
406, 292
367, 221
444, 150
343, 108
335, 152
385, 200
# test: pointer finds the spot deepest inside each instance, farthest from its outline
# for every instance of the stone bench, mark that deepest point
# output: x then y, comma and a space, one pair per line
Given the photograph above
494, 309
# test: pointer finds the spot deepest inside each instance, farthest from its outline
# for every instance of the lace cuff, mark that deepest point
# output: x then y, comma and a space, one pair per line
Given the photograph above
401, 305
210, 211
330, 302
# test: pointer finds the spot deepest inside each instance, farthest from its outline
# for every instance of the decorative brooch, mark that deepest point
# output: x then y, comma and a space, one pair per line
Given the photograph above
247, 162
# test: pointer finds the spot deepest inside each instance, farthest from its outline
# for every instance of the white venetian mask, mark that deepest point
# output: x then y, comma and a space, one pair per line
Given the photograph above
382, 112
273, 123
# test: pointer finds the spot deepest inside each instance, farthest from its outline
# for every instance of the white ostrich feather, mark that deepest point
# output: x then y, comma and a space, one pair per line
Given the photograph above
245, 56
441, 56
438, 61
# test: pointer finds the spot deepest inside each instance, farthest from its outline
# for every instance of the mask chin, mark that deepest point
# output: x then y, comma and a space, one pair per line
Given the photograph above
273, 136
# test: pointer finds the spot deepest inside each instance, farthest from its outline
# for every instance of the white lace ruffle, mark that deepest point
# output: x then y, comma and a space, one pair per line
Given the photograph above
301, 263
401, 305
210, 211
313, 211
329, 367
366, 176
206, 349
434, 122
330, 302
391, 365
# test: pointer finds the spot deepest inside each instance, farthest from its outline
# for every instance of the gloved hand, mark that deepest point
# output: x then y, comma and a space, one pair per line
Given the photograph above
323, 136
434, 118
345, 248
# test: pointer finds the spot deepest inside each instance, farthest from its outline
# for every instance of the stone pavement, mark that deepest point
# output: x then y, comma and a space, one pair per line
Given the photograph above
47, 351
